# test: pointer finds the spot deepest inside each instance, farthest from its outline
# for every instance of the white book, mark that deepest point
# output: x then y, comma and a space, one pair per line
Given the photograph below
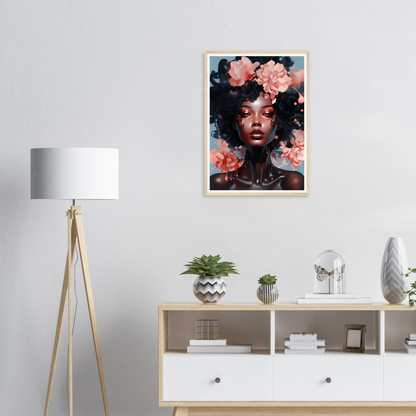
304, 344
220, 349
319, 350
409, 346
411, 337
410, 350
410, 343
335, 301
207, 342
331, 296
301, 347
303, 336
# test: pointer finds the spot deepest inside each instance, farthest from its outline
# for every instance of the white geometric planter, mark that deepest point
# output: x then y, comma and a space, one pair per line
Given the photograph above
209, 289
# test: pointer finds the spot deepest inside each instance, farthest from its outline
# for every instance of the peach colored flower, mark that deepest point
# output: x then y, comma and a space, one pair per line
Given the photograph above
214, 155
297, 77
241, 71
295, 154
226, 161
225, 158
274, 78
301, 98
222, 144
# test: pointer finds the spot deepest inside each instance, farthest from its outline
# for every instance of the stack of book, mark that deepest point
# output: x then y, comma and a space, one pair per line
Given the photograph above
216, 346
311, 298
410, 343
304, 343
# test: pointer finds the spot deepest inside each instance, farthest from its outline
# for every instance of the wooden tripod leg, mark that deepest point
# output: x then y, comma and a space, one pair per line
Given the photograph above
87, 281
69, 274
59, 323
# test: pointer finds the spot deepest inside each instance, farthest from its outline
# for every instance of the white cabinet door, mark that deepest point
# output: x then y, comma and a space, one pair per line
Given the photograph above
242, 377
338, 377
399, 378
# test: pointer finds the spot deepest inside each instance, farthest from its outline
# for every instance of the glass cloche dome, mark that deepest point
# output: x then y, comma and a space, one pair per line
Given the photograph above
329, 273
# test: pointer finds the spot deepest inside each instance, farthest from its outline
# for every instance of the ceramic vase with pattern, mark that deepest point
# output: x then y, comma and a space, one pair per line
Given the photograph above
209, 289
393, 269
267, 293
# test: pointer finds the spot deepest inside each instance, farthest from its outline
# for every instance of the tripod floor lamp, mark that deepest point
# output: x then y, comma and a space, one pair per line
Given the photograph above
74, 173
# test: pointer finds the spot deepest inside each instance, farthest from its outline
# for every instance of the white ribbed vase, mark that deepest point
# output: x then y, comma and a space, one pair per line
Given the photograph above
209, 289
267, 293
393, 269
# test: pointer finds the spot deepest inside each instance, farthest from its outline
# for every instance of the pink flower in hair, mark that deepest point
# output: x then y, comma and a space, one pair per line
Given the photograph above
297, 77
294, 155
274, 78
226, 161
223, 144
214, 155
241, 71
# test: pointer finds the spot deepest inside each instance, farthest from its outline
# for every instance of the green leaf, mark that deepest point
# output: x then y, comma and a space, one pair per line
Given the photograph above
267, 279
210, 266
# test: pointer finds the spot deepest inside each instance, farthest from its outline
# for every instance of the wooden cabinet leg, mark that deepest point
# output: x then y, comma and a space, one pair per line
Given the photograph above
180, 411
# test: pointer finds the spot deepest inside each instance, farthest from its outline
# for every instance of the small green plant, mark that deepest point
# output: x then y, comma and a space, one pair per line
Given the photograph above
210, 266
267, 280
412, 291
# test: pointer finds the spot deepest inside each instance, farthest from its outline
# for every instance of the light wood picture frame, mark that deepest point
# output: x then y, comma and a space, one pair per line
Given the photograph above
257, 123
354, 338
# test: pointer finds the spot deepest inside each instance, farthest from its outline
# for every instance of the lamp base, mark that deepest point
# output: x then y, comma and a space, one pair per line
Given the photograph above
75, 233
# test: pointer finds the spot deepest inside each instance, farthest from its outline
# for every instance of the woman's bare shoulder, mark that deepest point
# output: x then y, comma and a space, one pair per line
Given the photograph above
294, 181
220, 182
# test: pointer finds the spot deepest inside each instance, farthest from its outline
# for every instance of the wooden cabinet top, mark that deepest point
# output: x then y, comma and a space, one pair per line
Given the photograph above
280, 306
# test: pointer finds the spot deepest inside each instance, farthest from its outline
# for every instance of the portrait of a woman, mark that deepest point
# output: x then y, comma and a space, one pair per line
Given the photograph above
257, 125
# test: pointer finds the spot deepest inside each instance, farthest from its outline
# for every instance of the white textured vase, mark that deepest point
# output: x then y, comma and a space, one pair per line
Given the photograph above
209, 289
393, 269
267, 293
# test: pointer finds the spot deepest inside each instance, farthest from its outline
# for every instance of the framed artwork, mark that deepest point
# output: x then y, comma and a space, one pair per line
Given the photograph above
354, 338
256, 123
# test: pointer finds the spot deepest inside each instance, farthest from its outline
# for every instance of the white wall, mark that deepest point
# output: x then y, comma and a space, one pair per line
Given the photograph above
129, 74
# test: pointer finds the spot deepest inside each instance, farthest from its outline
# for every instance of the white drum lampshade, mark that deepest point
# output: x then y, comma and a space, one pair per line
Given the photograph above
74, 173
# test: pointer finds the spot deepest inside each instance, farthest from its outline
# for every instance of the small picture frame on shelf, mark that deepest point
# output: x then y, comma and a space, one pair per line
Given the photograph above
354, 338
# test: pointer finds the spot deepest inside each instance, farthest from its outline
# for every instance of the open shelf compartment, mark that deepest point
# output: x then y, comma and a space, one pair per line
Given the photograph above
330, 327
237, 327
397, 325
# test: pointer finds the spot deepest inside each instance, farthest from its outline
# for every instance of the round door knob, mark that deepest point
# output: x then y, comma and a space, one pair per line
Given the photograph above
328, 380
218, 380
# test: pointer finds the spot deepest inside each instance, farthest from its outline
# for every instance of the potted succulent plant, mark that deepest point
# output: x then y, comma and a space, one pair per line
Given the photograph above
209, 286
267, 291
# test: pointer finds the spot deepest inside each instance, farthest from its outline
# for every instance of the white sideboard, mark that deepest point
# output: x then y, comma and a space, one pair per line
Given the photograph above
269, 382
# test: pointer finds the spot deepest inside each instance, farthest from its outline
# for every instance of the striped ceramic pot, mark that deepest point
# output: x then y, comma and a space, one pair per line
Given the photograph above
209, 289
267, 293
393, 269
